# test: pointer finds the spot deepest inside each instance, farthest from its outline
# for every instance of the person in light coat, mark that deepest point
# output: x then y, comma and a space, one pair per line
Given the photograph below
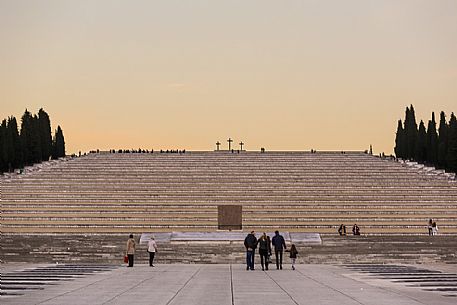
130, 250
152, 249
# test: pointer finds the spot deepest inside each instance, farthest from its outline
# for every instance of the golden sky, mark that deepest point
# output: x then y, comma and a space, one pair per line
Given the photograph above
284, 75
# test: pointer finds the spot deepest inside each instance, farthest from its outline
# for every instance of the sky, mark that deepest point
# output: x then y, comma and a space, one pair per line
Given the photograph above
283, 75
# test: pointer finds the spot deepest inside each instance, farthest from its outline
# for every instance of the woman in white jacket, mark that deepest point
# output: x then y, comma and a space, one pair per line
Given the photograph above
152, 249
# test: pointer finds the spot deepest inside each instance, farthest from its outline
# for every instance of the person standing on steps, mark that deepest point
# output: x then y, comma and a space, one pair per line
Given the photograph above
152, 249
280, 244
264, 250
342, 230
130, 250
434, 228
250, 242
429, 227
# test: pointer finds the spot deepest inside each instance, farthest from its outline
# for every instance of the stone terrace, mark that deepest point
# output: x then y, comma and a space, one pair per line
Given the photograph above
291, 191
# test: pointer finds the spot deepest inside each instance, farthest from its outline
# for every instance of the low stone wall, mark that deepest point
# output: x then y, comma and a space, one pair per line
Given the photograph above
110, 249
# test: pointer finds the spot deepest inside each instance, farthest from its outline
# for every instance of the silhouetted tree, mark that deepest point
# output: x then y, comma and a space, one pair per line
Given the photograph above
44, 125
452, 144
421, 152
410, 132
400, 141
432, 141
442, 141
3, 147
31, 145
58, 144
26, 136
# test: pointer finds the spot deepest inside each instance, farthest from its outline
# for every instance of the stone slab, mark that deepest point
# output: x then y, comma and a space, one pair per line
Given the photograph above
306, 238
218, 236
159, 237
229, 217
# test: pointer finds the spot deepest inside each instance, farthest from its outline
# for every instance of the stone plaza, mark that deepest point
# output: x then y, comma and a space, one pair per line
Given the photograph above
230, 284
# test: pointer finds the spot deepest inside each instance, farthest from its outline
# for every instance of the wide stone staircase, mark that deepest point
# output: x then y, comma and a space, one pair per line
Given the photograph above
112, 193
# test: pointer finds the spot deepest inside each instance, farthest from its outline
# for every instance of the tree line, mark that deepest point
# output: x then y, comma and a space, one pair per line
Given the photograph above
33, 144
431, 146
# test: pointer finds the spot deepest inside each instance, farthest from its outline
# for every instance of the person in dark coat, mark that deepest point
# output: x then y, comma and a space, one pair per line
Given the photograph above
279, 244
293, 255
264, 244
342, 230
250, 242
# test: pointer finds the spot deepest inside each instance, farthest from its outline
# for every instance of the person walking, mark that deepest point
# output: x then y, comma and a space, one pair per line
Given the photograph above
280, 245
250, 242
264, 250
430, 227
293, 255
130, 250
152, 249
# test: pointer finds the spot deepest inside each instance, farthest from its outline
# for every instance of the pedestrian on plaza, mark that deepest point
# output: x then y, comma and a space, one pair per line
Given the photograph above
130, 250
250, 242
293, 255
430, 227
152, 249
264, 250
280, 244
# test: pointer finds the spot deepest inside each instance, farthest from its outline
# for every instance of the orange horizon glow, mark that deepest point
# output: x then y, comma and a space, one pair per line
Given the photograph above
289, 75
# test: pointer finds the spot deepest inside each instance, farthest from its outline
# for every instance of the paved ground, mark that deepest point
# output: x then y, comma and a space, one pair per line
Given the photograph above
226, 284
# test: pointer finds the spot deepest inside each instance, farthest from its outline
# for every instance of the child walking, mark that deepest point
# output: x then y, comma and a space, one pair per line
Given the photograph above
293, 255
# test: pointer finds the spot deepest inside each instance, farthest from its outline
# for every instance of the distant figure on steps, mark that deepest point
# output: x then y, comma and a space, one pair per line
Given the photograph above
429, 227
342, 230
356, 230
434, 228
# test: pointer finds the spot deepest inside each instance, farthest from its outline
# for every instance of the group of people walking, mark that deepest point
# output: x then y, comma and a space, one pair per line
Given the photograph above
265, 246
131, 247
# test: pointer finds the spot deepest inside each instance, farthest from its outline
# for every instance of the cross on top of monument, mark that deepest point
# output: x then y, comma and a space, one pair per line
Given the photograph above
217, 144
241, 145
229, 142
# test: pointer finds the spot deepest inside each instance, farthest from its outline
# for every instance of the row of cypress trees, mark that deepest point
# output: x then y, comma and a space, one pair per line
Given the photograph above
428, 145
33, 144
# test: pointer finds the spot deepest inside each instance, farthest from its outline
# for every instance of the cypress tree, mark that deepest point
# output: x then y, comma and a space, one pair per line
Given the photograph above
452, 145
421, 143
36, 140
26, 137
14, 133
44, 125
410, 132
442, 141
3, 147
9, 154
58, 144
400, 141
432, 141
